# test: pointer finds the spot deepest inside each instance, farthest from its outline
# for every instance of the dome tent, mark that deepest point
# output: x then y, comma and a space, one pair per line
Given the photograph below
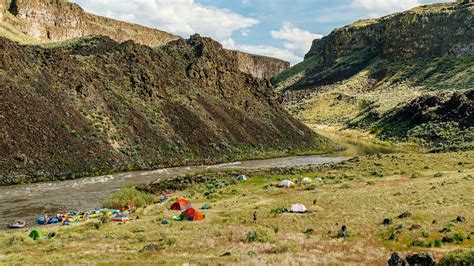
241, 178
286, 183
37, 234
298, 208
181, 205
191, 215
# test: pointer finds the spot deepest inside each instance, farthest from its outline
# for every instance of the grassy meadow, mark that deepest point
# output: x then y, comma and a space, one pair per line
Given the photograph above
360, 193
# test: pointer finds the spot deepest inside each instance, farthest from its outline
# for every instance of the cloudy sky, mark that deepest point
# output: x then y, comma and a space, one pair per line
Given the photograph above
277, 28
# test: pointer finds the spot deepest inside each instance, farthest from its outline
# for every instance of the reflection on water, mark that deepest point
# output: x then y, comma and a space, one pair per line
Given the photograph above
356, 147
27, 201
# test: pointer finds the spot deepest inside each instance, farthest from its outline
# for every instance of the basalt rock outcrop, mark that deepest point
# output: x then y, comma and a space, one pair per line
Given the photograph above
94, 105
43, 21
60, 20
365, 74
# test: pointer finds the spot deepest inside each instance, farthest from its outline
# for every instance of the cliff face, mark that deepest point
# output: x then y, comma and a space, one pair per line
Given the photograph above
59, 20
260, 66
94, 105
423, 32
362, 73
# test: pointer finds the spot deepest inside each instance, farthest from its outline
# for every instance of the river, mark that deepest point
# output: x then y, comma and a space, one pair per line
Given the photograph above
26, 201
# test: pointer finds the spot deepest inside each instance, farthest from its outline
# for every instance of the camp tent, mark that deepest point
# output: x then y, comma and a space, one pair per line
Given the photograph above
181, 205
306, 180
286, 183
191, 215
37, 234
41, 220
298, 208
241, 178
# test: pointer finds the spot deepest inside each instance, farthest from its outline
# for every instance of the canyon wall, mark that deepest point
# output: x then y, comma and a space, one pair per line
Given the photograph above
261, 66
59, 20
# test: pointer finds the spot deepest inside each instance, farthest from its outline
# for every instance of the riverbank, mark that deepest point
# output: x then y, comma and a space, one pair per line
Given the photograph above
359, 193
28, 200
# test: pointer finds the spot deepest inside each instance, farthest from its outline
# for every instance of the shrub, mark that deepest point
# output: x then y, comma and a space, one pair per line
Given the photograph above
417, 243
458, 257
425, 233
104, 218
437, 243
371, 182
127, 198
459, 237
168, 241
261, 235
94, 225
438, 174
345, 186
416, 175
284, 247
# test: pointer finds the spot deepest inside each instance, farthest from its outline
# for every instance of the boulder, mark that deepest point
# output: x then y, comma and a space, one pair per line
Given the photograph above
405, 215
150, 247
423, 259
397, 259
447, 239
415, 227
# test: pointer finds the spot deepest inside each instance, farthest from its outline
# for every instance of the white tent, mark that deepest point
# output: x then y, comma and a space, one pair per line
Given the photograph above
306, 180
285, 183
242, 178
298, 208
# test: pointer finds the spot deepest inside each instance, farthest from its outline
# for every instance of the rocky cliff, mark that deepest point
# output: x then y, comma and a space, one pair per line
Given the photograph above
362, 73
260, 66
94, 105
59, 20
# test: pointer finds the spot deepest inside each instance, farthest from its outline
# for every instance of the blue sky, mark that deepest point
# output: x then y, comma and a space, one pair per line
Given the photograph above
278, 28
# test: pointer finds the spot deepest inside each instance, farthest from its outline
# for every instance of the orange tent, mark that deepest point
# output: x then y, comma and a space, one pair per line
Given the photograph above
192, 215
181, 205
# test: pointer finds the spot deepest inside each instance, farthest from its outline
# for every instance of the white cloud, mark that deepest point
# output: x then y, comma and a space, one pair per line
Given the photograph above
182, 17
378, 8
185, 17
296, 43
267, 50
296, 40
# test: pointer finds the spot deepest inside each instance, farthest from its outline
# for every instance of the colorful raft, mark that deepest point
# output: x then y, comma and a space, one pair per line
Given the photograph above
66, 218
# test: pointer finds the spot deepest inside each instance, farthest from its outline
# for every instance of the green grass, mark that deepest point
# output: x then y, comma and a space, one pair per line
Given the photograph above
458, 257
127, 198
284, 238
298, 69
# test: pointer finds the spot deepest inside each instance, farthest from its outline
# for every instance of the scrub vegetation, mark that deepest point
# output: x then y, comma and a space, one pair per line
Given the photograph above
359, 193
404, 77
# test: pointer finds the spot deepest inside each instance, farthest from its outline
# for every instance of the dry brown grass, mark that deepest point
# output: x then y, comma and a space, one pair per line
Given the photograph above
344, 197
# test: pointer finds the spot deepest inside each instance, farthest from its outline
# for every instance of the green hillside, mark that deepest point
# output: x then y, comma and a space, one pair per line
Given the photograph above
363, 74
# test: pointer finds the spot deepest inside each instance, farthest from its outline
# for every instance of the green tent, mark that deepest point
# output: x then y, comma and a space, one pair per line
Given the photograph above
36, 234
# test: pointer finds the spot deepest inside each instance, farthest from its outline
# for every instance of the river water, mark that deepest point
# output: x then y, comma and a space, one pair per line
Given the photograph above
27, 201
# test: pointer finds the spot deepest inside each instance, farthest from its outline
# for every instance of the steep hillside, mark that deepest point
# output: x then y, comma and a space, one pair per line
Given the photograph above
363, 74
59, 20
45, 21
95, 105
